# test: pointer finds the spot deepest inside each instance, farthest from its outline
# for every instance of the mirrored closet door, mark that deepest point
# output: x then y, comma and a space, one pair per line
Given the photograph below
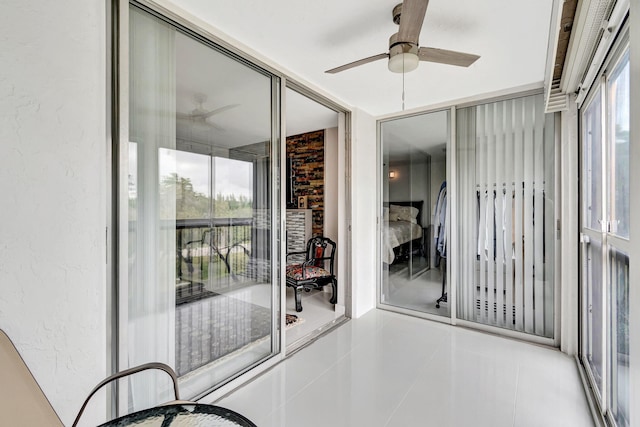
414, 213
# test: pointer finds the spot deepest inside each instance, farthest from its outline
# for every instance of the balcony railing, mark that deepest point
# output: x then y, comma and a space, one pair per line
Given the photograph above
213, 253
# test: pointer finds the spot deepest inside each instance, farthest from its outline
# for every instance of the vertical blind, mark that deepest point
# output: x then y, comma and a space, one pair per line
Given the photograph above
506, 201
152, 252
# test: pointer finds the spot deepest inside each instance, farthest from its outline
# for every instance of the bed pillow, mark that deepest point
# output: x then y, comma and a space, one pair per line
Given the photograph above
403, 213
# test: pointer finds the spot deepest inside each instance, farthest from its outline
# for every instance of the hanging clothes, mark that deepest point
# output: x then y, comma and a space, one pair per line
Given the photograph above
440, 224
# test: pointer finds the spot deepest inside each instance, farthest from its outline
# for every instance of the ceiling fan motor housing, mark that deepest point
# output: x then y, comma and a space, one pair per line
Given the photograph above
403, 56
400, 46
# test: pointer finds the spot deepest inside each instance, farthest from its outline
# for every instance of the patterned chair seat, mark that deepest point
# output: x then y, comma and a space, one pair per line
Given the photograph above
295, 272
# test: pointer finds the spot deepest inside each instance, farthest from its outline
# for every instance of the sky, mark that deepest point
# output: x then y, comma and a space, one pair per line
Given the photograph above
230, 176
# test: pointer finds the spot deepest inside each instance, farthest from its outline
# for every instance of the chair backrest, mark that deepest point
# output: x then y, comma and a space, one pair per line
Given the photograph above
320, 252
22, 402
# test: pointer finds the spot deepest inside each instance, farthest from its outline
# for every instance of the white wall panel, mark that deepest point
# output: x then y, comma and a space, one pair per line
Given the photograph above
53, 166
364, 199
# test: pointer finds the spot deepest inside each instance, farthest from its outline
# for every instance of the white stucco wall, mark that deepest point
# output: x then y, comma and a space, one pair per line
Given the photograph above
363, 223
52, 187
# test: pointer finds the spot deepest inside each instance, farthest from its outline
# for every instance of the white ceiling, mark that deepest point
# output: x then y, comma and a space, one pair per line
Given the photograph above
309, 37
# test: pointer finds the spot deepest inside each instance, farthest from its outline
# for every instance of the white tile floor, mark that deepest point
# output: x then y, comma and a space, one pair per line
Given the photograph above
386, 369
316, 312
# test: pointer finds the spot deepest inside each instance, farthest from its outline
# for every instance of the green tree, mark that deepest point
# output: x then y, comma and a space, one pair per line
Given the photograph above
177, 193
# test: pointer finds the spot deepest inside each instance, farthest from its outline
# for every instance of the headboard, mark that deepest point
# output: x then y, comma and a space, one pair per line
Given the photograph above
418, 204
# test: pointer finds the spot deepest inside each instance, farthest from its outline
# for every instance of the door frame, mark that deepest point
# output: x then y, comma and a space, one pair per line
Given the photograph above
343, 245
118, 14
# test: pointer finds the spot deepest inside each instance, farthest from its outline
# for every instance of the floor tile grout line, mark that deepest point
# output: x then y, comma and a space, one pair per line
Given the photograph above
351, 349
515, 398
414, 384
316, 378
358, 344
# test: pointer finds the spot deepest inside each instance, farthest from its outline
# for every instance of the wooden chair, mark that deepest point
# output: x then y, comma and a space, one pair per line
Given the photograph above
316, 271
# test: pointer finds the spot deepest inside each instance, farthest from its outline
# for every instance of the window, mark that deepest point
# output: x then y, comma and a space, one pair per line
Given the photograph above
605, 238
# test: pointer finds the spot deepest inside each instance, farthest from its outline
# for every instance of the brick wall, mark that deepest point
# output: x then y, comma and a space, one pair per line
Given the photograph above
307, 154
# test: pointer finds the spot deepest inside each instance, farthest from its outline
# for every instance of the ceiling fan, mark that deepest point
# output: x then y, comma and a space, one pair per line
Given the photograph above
404, 53
200, 114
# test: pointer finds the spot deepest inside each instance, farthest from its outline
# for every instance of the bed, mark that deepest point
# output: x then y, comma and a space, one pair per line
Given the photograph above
402, 231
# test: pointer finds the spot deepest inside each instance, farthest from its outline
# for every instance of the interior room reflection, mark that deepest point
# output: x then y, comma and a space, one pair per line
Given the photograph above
414, 212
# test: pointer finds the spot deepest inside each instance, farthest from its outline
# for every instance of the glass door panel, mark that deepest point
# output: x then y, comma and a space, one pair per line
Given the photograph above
618, 106
414, 213
202, 215
605, 231
619, 333
592, 162
506, 234
595, 312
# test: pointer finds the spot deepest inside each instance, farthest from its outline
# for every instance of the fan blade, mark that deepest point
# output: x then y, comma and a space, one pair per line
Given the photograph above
216, 111
411, 19
444, 56
356, 63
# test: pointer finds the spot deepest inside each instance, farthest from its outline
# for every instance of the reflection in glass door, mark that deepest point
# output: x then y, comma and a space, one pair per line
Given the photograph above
200, 290
605, 239
414, 213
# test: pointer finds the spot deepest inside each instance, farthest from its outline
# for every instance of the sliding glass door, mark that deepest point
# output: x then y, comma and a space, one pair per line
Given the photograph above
605, 238
199, 212
506, 214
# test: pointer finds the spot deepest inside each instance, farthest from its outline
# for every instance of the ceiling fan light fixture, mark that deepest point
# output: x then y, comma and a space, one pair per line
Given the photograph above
403, 56
403, 62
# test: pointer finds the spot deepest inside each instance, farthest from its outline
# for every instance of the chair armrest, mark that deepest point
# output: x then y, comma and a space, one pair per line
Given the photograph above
127, 372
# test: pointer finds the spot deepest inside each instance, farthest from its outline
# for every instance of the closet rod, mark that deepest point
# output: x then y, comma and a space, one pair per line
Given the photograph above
504, 184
